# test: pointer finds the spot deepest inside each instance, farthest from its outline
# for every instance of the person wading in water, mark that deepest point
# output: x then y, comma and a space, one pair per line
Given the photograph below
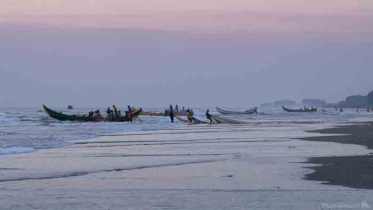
171, 114
208, 116
189, 116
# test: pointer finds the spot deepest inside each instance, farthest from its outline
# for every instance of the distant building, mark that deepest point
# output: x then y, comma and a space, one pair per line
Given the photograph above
266, 105
332, 105
314, 102
70, 107
284, 103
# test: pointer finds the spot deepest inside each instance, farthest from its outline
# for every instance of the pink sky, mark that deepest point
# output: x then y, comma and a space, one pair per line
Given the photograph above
199, 16
264, 49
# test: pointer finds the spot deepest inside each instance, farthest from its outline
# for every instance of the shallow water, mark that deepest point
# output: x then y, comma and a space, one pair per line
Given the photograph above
194, 167
26, 130
260, 165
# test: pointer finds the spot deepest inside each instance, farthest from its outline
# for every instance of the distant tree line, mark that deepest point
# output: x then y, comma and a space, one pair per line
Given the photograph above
355, 101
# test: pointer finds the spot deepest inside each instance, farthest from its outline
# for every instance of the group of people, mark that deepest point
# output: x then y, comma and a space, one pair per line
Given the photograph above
191, 119
172, 112
96, 115
189, 113
307, 109
357, 109
340, 110
368, 109
115, 114
176, 110
112, 114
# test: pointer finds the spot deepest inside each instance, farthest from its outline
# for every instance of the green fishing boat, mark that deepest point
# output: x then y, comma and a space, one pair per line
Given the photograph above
83, 118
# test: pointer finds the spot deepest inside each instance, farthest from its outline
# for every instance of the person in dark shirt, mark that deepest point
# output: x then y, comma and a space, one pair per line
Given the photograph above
171, 114
130, 114
108, 111
208, 116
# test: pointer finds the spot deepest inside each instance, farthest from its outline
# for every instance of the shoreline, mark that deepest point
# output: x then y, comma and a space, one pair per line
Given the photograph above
236, 167
349, 171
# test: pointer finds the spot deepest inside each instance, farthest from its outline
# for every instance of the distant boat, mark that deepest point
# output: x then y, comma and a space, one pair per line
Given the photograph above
250, 111
83, 118
70, 107
299, 110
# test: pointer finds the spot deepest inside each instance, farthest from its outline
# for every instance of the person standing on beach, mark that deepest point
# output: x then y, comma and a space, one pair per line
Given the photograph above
189, 115
130, 112
171, 114
208, 116
108, 111
112, 116
115, 111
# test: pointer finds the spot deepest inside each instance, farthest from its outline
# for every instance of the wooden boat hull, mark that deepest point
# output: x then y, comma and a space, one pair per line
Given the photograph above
250, 111
78, 118
298, 110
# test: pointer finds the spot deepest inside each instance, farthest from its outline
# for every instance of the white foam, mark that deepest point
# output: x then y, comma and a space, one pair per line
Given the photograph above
15, 150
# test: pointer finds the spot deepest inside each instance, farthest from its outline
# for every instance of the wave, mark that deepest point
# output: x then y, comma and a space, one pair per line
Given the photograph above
15, 150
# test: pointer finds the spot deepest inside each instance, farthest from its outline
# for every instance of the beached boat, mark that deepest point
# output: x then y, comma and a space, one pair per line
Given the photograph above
250, 111
83, 118
299, 110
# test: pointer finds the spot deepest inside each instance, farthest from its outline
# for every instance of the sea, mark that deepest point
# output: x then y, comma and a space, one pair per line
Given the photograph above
25, 130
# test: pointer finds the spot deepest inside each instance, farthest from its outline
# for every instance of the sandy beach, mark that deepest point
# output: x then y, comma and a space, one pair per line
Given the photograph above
196, 167
351, 171
186, 105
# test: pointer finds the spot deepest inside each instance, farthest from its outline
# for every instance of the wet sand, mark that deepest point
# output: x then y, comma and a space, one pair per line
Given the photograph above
349, 171
197, 167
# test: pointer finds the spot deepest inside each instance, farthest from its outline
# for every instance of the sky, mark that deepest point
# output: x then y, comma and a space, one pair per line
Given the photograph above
233, 53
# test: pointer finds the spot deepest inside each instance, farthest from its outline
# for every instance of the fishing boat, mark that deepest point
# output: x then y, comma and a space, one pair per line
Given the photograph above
299, 110
83, 118
250, 111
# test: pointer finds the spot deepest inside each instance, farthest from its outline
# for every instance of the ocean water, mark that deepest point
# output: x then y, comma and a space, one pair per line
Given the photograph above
171, 166
27, 130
